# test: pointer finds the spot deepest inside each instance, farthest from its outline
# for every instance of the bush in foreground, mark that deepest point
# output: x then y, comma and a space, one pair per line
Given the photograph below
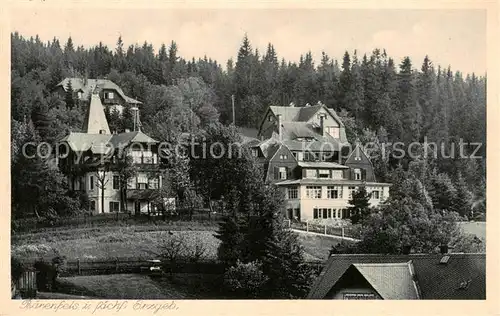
245, 280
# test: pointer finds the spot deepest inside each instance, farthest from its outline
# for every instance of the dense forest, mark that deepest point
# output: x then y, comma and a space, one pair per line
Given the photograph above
378, 98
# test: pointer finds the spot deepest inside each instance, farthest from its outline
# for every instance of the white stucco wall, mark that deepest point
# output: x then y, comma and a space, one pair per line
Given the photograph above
307, 205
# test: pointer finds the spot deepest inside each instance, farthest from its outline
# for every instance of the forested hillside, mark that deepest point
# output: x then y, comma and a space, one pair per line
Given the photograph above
379, 99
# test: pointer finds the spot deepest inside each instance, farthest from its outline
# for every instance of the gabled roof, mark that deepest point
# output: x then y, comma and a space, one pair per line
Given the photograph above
82, 141
462, 277
103, 143
88, 87
124, 139
392, 281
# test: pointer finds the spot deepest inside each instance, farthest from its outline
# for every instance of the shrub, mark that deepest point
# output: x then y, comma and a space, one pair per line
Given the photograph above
48, 271
245, 280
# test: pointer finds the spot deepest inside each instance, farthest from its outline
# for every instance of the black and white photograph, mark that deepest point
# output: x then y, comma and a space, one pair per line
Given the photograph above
173, 154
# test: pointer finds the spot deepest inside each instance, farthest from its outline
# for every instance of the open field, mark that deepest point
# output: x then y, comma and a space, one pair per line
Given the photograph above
474, 228
116, 242
118, 286
136, 241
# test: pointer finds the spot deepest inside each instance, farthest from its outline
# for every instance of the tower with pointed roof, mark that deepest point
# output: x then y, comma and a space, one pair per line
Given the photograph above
91, 160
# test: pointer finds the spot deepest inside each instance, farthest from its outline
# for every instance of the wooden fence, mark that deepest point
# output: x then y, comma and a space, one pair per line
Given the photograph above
134, 265
324, 229
26, 284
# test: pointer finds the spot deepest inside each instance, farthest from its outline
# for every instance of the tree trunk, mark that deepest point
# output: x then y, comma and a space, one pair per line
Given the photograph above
102, 197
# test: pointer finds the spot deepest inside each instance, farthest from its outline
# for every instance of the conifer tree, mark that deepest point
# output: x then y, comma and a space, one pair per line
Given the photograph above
359, 204
69, 96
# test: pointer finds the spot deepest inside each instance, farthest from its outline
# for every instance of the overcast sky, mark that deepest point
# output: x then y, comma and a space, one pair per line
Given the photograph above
449, 37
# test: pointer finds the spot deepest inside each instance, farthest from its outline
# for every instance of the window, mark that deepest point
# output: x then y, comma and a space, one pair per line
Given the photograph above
92, 205
333, 131
282, 157
136, 156
322, 213
148, 157
142, 182
79, 94
337, 174
153, 183
324, 173
109, 95
116, 183
376, 195
293, 193
351, 191
311, 173
270, 118
114, 207
255, 152
299, 156
313, 192
282, 173
333, 192
357, 174
309, 156
357, 158
91, 183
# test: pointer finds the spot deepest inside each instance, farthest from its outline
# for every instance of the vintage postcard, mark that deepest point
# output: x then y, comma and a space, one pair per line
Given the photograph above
179, 159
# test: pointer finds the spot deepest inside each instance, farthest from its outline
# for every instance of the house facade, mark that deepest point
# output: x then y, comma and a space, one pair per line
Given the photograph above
94, 160
110, 94
305, 151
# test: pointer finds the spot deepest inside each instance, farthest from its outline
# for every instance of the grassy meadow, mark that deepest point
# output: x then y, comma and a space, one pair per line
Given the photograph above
139, 241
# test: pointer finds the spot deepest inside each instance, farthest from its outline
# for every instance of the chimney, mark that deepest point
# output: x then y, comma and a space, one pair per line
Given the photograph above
406, 250
322, 123
443, 249
280, 134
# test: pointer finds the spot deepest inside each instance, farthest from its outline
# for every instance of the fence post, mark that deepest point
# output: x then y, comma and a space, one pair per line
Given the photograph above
78, 266
342, 232
325, 228
307, 226
289, 223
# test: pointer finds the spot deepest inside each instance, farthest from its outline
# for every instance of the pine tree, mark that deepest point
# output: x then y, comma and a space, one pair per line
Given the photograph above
69, 95
407, 104
463, 198
42, 120
345, 82
359, 205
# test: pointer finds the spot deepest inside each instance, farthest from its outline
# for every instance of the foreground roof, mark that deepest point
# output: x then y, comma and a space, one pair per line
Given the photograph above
392, 281
463, 276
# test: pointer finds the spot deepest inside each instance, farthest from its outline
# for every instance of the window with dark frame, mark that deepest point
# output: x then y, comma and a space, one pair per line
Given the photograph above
116, 183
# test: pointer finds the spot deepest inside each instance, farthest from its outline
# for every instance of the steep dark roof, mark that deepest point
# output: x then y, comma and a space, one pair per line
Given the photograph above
87, 87
462, 277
